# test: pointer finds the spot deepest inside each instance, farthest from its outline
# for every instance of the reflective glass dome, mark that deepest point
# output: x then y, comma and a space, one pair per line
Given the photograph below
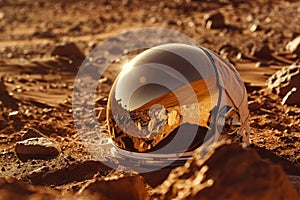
164, 100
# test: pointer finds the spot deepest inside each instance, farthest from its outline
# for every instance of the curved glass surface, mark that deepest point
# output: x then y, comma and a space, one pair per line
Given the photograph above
162, 100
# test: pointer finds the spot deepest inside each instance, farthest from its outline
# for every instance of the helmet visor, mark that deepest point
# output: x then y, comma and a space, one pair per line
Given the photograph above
164, 101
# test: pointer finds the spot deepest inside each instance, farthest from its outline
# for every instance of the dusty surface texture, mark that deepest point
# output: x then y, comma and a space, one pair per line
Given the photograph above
241, 176
43, 43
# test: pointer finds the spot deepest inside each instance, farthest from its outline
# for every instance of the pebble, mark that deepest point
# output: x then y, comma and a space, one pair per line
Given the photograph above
252, 105
286, 83
214, 21
294, 46
228, 50
31, 133
38, 147
263, 51
254, 27
9, 55
69, 50
262, 64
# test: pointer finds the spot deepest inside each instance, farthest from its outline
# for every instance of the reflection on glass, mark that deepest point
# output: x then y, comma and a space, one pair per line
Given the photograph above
157, 93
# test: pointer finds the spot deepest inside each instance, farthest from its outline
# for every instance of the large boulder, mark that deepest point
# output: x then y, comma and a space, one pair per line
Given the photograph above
286, 83
227, 172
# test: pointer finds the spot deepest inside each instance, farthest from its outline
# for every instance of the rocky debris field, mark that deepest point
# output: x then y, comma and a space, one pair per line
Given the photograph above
42, 45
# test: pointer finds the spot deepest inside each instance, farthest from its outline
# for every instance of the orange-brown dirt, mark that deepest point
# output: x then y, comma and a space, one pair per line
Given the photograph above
37, 83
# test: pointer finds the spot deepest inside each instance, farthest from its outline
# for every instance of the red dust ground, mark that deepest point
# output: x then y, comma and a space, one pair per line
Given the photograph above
37, 81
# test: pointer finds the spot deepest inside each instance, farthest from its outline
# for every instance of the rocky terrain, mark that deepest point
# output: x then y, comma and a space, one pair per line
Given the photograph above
43, 44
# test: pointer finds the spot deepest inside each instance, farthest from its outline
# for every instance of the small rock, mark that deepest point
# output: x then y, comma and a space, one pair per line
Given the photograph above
252, 105
172, 22
263, 52
228, 51
37, 148
252, 88
214, 21
292, 97
294, 46
254, 27
69, 50
38, 172
31, 133
129, 186
75, 28
260, 64
10, 55
75, 171
283, 82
